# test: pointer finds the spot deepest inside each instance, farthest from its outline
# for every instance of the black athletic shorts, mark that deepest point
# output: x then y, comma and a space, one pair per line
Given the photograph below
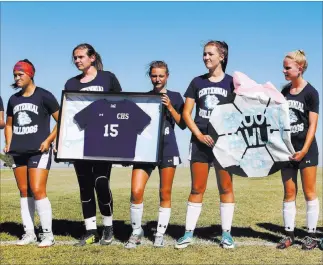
38, 160
311, 159
199, 152
168, 161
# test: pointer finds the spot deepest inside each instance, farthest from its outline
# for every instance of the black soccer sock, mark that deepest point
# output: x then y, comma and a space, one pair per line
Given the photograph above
291, 235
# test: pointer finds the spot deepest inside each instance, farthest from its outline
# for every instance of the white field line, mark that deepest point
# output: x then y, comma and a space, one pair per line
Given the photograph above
169, 243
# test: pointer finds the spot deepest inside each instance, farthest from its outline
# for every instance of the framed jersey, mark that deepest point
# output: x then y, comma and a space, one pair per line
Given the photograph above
120, 127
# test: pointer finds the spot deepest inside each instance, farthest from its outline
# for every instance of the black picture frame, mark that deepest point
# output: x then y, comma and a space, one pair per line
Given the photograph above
149, 150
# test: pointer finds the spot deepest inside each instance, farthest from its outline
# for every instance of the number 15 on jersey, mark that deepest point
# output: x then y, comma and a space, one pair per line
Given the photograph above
111, 130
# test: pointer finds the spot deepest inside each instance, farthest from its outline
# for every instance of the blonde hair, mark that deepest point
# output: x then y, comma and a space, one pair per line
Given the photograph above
299, 57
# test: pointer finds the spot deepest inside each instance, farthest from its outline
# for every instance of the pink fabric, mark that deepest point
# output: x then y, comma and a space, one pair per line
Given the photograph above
245, 86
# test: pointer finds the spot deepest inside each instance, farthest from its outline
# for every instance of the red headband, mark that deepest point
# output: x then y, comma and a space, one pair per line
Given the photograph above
24, 67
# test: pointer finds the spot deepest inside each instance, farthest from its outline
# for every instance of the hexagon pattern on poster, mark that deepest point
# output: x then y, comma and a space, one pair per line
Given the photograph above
226, 119
231, 148
258, 160
253, 131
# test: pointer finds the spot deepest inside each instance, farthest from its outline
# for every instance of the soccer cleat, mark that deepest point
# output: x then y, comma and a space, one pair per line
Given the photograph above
309, 243
134, 240
227, 240
285, 242
185, 240
47, 240
107, 235
159, 242
321, 244
27, 238
90, 237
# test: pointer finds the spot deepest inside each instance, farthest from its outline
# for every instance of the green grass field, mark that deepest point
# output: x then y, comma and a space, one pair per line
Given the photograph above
257, 223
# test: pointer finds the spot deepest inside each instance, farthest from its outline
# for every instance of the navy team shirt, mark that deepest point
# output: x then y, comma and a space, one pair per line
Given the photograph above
111, 127
104, 81
1, 104
170, 147
207, 96
30, 119
299, 107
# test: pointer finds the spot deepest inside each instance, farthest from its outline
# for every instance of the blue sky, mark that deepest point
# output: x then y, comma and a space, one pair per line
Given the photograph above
129, 35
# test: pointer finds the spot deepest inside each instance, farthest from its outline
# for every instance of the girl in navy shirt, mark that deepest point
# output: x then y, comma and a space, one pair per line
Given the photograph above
93, 175
158, 73
206, 92
303, 100
29, 141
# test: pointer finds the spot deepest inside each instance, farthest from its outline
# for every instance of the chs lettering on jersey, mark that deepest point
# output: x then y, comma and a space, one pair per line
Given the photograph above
30, 119
111, 127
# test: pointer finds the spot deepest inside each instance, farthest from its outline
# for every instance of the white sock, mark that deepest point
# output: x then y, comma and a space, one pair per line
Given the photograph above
136, 212
27, 209
44, 210
90, 223
107, 220
163, 220
192, 215
226, 213
289, 214
312, 215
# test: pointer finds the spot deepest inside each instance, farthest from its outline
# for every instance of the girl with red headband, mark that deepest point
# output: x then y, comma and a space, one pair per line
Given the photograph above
29, 141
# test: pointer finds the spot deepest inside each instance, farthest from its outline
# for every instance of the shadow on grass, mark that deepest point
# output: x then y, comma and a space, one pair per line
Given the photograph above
210, 233
13, 229
299, 232
122, 230
75, 229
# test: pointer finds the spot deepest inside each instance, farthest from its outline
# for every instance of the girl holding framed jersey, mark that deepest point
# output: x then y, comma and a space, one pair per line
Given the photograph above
29, 141
215, 57
93, 175
158, 73
303, 100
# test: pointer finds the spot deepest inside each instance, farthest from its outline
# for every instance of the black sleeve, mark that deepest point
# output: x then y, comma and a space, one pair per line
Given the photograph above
313, 101
191, 91
9, 109
285, 89
81, 118
72, 83
115, 85
141, 119
1, 104
50, 103
232, 87
179, 104
68, 85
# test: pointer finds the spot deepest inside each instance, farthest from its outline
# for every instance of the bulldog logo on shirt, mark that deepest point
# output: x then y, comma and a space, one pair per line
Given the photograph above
211, 101
23, 118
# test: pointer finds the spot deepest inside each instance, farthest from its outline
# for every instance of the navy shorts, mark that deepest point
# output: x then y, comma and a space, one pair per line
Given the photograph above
199, 152
311, 159
38, 160
168, 161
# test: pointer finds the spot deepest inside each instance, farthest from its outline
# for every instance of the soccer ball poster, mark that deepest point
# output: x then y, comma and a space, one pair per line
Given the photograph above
252, 133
